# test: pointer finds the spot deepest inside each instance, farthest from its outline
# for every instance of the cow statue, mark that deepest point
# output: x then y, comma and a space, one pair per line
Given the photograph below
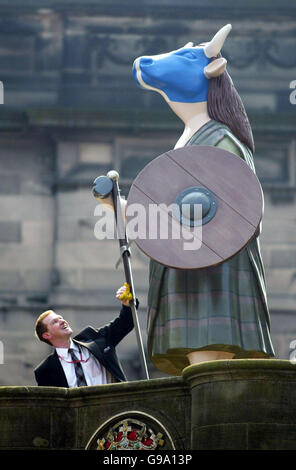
218, 312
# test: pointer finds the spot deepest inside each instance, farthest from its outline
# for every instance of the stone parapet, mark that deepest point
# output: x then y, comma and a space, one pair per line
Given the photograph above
243, 404
237, 404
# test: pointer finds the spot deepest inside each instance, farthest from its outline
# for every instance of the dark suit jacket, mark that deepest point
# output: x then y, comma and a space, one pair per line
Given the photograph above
100, 342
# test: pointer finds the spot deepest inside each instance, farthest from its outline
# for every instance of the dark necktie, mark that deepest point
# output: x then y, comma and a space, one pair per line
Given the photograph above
78, 369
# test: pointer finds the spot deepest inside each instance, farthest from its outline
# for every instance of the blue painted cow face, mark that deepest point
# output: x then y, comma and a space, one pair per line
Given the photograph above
182, 75
178, 76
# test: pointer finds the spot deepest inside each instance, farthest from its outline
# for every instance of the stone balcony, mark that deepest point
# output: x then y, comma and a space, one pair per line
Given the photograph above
237, 404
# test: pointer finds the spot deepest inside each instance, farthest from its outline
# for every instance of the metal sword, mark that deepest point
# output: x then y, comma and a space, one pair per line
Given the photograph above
103, 188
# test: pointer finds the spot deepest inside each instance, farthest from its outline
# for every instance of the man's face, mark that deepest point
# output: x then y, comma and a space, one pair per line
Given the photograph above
56, 328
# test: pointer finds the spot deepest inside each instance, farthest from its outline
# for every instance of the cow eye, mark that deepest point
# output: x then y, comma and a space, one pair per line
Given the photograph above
189, 55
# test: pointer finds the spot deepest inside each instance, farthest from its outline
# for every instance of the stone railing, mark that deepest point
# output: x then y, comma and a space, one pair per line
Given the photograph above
238, 404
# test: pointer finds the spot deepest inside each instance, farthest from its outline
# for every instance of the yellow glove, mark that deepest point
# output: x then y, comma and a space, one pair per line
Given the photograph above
127, 293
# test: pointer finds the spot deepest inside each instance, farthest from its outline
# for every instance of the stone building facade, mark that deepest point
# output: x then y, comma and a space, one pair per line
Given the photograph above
72, 112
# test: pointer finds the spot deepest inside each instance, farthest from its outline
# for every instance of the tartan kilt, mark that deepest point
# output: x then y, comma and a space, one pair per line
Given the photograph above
216, 309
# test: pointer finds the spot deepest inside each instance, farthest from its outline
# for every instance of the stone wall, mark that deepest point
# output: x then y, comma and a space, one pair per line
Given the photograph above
236, 405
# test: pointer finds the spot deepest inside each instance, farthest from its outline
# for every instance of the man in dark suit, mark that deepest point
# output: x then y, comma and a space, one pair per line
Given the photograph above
89, 358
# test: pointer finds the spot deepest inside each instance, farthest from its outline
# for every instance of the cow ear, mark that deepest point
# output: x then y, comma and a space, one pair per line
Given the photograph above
215, 68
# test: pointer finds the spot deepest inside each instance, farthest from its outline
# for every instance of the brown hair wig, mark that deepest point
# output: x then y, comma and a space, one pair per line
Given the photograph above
225, 105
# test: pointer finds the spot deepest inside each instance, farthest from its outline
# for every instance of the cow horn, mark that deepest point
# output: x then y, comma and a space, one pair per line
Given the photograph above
213, 47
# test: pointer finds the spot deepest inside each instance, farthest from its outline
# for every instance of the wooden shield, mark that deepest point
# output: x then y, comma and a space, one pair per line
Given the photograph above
227, 190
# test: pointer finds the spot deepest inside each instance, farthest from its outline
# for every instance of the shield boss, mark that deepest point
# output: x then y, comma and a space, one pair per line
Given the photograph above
194, 207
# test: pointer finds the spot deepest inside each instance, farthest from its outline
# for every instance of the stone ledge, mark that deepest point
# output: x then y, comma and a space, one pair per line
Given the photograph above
155, 120
138, 386
236, 404
236, 369
188, 8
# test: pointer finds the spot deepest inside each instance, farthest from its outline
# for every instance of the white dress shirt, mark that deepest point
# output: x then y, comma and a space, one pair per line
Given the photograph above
94, 372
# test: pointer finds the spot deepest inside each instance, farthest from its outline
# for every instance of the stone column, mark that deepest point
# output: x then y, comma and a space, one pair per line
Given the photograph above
242, 404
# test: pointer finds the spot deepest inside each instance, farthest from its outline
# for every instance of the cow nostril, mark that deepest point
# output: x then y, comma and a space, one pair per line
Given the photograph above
146, 61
